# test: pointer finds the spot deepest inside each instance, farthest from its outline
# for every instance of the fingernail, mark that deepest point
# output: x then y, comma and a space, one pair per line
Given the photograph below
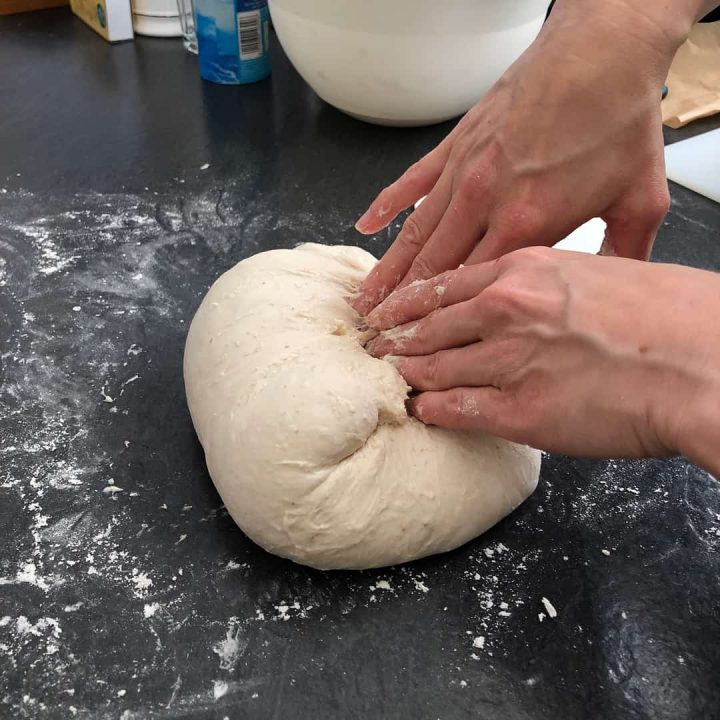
361, 305
373, 319
370, 347
358, 300
381, 346
413, 406
362, 224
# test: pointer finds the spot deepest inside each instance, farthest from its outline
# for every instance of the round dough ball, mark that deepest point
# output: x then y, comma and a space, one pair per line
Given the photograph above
306, 435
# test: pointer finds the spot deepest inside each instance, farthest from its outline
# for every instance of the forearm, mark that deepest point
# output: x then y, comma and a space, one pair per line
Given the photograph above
645, 36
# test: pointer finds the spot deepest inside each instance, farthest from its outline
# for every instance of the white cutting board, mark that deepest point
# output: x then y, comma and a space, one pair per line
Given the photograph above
695, 163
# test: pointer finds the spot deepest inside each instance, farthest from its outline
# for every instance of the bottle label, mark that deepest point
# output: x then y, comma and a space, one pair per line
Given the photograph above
250, 35
241, 55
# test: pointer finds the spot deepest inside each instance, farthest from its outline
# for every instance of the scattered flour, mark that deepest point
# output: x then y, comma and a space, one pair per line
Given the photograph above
142, 583
150, 609
68, 372
232, 646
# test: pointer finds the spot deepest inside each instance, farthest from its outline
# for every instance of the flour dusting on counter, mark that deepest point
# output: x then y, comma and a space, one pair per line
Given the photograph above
121, 570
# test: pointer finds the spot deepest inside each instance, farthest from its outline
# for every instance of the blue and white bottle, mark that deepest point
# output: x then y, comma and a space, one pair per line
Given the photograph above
233, 40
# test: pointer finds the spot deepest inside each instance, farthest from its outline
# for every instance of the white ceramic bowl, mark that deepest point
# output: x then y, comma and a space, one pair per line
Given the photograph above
404, 62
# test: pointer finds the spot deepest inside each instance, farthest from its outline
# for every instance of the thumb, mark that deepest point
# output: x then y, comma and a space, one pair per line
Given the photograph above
631, 232
628, 240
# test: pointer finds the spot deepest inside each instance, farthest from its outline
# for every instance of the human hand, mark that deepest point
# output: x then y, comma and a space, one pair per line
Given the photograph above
570, 132
567, 352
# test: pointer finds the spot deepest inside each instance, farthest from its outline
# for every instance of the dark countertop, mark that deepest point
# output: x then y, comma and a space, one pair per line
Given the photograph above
125, 589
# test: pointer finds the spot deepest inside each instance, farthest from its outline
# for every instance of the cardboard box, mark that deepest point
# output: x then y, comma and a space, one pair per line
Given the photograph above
111, 19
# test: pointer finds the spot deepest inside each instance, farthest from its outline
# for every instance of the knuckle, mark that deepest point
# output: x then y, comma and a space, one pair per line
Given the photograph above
648, 208
412, 235
651, 213
422, 268
524, 259
511, 229
457, 402
497, 298
659, 204
503, 299
467, 409
430, 373
533, 255
473, 186
540, 294
422, 333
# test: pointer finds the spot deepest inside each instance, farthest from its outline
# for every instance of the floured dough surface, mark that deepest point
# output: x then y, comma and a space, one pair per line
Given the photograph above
306, 436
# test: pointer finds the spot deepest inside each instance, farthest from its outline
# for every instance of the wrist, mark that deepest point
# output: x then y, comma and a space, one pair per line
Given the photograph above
651, 32
690, 393
699, 438
684, 403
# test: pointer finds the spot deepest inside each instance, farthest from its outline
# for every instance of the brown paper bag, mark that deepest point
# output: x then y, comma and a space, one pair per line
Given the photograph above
694, 78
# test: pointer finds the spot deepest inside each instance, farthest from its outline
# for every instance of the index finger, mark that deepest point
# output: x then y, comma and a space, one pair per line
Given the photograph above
421, 298
418, 180
393, 266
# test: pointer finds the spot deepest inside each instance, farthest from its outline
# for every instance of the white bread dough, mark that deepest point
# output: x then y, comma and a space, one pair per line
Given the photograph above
306, 436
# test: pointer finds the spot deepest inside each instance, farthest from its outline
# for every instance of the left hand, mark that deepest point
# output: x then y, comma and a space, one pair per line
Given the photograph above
571, 131
567, 352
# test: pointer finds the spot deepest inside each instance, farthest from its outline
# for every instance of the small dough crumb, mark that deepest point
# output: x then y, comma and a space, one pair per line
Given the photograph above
549, 608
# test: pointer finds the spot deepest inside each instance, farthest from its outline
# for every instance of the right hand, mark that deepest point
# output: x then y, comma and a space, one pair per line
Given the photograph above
570, 132
567, 352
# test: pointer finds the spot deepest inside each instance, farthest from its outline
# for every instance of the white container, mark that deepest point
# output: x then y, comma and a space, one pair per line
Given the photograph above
404, 62
157, 18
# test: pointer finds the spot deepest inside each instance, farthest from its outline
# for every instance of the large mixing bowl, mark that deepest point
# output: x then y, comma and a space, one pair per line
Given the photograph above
404, 62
